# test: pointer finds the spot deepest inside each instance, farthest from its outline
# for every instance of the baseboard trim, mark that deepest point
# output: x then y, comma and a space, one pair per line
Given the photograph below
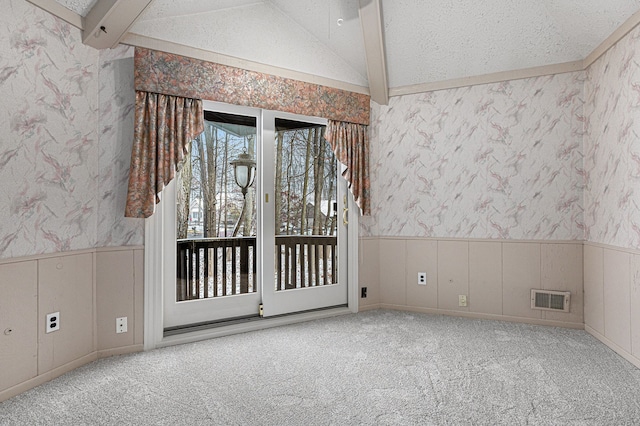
63, 369
124, 350
24, 386
368, 307
478, 315
613, 346
45, 377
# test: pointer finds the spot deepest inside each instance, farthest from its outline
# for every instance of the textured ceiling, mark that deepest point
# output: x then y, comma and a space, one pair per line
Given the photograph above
438, 40
304, 38
81, 7
425, 40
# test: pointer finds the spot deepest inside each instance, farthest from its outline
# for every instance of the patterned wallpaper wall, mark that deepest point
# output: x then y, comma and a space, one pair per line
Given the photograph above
498, 160
555, 157
59, 183
117, 98
612, 146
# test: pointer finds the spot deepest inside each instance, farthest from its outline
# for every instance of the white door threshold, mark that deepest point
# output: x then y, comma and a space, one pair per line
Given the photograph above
244, 327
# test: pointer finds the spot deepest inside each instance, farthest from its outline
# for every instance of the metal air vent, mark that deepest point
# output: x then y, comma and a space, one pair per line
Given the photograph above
550, 300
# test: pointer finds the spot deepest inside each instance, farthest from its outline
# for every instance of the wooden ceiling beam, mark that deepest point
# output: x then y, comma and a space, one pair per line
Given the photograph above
109, 20
372, 30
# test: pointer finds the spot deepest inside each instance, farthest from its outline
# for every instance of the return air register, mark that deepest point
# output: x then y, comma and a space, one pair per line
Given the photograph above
549, 300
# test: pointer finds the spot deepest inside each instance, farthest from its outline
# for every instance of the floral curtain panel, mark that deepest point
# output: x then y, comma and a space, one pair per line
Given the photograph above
164, 127
350, 143
166, 123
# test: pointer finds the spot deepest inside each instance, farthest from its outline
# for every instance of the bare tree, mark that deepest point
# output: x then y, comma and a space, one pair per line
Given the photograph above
319, 165
225, 176
305, 185
290, 177
207, 166
212, 184
278, 184
248, 204
183, 195
329, 222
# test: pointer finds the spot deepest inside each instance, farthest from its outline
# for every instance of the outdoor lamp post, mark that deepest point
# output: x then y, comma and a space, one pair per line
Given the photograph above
244, 171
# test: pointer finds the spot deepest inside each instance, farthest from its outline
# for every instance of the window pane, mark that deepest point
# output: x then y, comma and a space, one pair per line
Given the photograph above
216, 219
305, 217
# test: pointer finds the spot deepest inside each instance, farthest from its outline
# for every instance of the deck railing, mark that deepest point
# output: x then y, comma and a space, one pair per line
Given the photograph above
305, 261
217, 267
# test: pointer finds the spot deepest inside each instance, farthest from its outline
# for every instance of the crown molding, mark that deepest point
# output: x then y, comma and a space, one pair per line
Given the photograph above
488, 78
56, 9
138, 40
614, 38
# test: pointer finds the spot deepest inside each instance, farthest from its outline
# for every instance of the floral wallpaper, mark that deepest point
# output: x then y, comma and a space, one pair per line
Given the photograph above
116, 118
59, 183
48, 150
499, 160
554, 157
612, 146
170, 74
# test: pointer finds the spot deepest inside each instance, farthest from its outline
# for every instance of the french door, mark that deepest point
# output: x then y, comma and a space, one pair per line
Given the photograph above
308, 266
245, 247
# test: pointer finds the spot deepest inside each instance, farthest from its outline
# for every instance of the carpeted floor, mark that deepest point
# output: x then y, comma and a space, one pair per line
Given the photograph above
379, 367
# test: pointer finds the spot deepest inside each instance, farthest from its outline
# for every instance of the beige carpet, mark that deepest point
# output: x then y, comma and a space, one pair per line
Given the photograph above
373, 368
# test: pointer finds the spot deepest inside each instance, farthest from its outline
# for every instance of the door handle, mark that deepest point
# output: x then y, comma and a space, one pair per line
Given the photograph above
345, 211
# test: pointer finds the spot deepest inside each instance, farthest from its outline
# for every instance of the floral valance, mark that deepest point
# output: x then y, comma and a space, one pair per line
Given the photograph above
170, 74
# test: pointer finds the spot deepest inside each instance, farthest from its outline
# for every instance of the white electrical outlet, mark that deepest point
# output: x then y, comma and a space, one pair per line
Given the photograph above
53, 322
422, 278
462, 300
121, 325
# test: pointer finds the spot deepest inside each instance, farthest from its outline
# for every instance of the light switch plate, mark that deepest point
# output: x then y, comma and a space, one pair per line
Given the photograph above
462, 300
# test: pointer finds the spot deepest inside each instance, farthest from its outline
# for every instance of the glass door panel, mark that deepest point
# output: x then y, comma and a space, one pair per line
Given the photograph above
257, 220
215, 221
309, 239
305, 205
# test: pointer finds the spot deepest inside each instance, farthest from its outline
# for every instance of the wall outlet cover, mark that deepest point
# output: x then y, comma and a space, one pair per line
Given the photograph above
52, 322
121, 325
422, 278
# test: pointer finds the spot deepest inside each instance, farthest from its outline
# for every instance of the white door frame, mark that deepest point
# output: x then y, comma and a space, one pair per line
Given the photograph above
156, 270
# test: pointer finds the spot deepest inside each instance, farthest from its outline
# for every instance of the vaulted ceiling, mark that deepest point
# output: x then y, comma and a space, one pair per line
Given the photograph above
372, 45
